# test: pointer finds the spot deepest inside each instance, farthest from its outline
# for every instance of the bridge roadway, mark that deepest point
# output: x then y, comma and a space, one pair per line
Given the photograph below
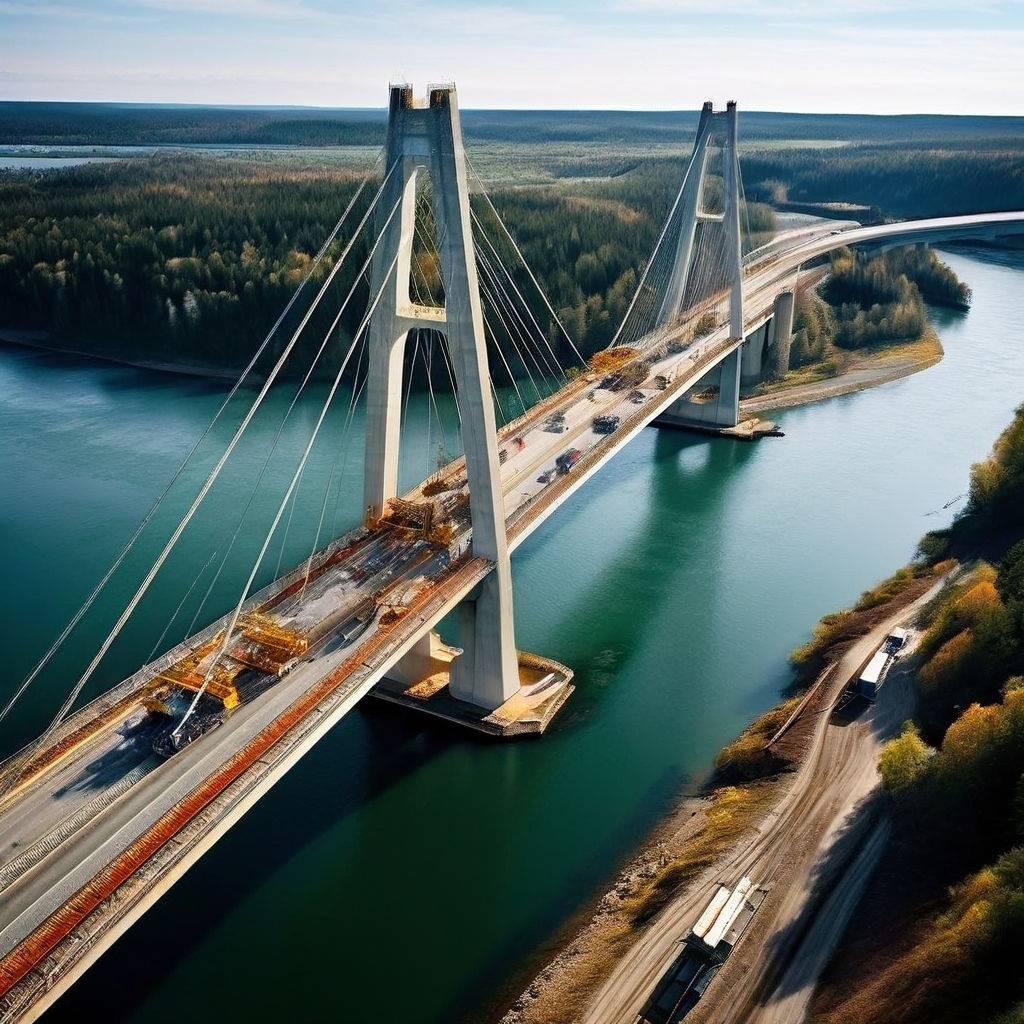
92, 841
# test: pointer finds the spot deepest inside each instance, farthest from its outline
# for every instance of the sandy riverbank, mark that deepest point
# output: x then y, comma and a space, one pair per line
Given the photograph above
861, 370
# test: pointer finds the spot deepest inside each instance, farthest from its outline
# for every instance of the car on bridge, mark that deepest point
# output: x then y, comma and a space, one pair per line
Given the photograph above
567, 460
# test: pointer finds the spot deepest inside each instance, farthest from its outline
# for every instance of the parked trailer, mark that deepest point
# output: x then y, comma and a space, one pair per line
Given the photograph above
874, 672
871, 678
705, 949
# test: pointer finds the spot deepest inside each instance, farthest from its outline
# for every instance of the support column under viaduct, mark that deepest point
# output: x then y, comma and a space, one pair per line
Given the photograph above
766, 350
782, 332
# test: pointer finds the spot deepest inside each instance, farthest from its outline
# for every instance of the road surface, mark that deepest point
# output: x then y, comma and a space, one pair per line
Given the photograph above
790, 852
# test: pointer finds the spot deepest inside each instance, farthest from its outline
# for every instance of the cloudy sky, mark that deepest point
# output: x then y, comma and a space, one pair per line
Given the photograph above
882, 56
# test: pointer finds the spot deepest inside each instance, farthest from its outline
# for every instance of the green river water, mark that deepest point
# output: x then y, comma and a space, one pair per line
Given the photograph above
404, 872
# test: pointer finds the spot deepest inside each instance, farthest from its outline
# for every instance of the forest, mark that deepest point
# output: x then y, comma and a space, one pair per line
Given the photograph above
190, 258
187, 256
53, 124
872, 300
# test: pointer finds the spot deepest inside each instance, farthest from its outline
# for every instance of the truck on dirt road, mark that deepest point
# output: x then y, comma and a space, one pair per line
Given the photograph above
705, 949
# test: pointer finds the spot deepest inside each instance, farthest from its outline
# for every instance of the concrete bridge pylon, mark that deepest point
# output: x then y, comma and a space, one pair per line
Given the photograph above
722, 410
425, 138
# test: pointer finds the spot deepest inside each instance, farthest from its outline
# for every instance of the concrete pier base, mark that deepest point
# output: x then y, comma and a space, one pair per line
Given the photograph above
421, 682
751, 429
713, 402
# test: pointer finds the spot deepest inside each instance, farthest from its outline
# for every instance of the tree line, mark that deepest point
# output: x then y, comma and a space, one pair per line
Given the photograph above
189, 258
872, 299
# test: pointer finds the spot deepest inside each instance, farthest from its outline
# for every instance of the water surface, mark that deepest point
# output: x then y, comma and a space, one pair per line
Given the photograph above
404, 872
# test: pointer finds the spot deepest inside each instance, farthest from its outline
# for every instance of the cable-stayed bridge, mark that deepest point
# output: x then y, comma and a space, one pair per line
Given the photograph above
119, 795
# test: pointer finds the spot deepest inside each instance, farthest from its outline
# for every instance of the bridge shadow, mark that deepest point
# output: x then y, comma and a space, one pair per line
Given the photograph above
120, 376
134, 746
376, 751
693, 479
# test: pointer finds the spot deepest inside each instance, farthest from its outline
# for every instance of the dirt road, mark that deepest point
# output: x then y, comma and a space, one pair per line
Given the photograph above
818, 840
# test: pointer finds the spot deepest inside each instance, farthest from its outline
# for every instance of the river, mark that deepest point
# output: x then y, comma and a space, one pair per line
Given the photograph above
404, 872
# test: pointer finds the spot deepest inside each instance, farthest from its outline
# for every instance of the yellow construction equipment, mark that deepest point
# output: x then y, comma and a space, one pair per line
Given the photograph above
190, 675
219, 685
268, 633
611, 359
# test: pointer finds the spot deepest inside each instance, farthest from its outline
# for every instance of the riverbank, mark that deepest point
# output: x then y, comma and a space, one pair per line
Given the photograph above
43, 341
650, 905
859, 370
812, 383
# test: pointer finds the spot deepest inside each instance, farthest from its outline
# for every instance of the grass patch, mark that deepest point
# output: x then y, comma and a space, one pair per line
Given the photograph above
835, 631
746, 758
732, 810
812, 373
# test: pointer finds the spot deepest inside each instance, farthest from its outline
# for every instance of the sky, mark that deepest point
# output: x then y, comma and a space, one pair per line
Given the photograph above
873, 56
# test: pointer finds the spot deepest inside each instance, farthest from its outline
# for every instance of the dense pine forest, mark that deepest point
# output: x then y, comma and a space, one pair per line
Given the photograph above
179, 258
190, 257
187, 256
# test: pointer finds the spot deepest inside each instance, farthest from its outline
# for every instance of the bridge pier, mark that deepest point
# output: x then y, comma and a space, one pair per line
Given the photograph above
766, 350
753, 352
714, 401
426, 138
782, 332
479, 675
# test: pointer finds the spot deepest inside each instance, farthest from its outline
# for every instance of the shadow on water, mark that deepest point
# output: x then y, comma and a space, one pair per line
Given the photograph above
376, 752
645, 572
119, 377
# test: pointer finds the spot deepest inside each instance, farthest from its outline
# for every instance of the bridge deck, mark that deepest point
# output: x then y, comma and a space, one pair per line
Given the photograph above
104, 829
